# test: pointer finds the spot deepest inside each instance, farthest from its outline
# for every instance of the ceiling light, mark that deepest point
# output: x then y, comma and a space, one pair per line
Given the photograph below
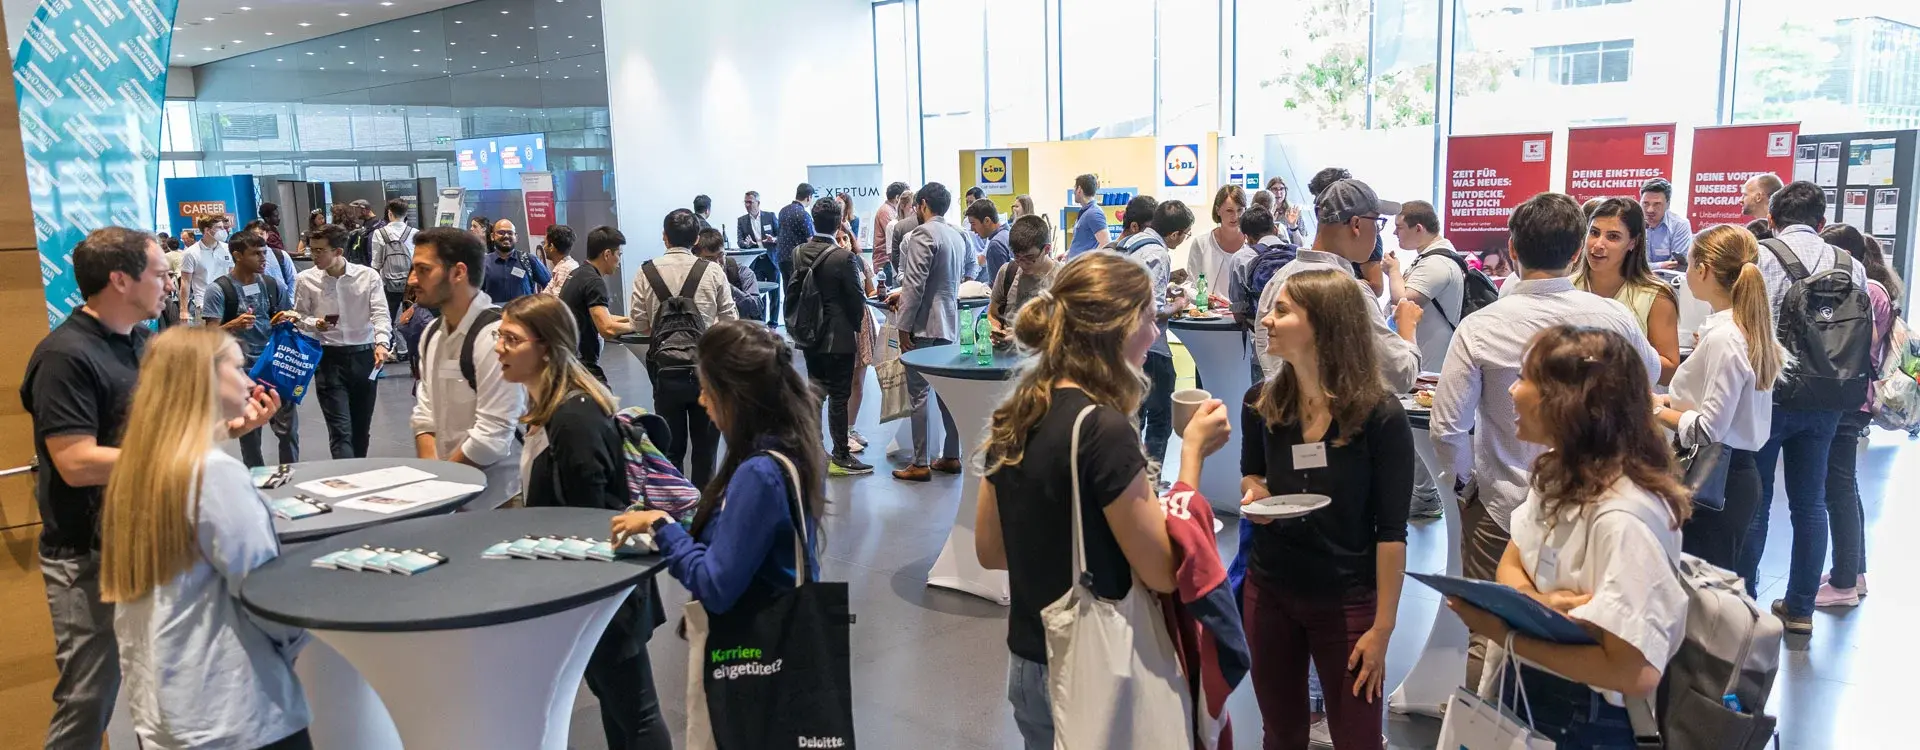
269, 33
416, 50
243, 7
323, 67
309, 54
496, 36
176, 28
304, 23
343, 46
349, 62
279, 59
207, 18
179, 54
385, 4
236, 41
416, 31
459, 21
206, 49
343, 15
383, 57
416, 65
483, 52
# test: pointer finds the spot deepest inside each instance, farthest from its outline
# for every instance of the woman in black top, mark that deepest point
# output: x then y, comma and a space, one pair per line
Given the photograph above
1089, 337
575, 457
1327, 585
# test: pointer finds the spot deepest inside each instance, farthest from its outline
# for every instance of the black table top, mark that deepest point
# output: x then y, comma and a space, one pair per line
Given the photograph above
745, 252
465, 592
947, 361
632, 338
966, 303
342, 520
1223, 323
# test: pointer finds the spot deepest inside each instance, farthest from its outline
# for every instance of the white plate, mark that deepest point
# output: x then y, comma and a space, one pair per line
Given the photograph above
1286, 506
1202, 316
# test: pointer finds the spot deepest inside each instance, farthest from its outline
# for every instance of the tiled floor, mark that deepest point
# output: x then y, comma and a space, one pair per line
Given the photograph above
929, 664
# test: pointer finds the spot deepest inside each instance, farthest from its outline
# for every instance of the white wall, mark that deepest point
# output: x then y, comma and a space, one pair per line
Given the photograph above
725, 96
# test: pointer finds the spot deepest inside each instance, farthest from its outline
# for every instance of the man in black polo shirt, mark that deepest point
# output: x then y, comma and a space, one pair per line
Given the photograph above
78, 387
585, 293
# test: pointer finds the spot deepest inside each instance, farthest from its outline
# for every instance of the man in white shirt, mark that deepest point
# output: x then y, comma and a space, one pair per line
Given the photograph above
1805, 418
345, 305
557, 251
457, 416
1435, 281
676, 389
1475, 435
207, 260
1350, 217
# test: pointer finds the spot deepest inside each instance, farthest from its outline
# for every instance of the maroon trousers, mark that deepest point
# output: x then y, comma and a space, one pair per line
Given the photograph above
1283, 632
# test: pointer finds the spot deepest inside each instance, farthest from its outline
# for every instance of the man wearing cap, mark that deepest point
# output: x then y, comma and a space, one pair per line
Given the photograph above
1351, 218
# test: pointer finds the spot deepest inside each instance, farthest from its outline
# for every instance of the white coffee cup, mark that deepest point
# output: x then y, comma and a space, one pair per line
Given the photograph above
1185, 404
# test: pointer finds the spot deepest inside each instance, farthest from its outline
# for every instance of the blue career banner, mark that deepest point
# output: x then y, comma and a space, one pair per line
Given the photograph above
91, 77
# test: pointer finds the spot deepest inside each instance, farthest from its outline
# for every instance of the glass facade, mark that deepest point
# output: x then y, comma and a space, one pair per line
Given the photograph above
387, 101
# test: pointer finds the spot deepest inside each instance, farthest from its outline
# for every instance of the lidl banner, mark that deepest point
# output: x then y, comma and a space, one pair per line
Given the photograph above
993, 171
1615, 161
1487, 177
91, 76
1724, 158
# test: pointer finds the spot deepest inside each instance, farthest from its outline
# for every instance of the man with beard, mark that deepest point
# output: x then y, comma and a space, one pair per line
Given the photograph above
510, 272
465, 411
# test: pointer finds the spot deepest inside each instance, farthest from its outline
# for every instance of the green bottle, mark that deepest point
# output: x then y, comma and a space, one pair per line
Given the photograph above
1200, 294
983, 346
966, 332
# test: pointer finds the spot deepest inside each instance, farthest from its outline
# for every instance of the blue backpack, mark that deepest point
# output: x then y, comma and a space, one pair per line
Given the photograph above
1267, 260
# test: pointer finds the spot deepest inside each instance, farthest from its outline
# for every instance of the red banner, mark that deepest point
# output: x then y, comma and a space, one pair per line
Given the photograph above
1487, 177
1724, 158
537, 189
1614, 161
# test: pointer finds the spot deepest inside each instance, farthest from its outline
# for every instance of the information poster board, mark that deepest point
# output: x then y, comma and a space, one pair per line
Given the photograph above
1487, 177
862, 181
1725, 157
1869, 178
1615, 161
537, 189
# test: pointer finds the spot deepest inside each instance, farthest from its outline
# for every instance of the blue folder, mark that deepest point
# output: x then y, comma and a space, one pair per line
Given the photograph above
1521, 612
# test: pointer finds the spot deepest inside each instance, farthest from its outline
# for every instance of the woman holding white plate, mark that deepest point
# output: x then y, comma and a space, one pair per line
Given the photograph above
1323, 581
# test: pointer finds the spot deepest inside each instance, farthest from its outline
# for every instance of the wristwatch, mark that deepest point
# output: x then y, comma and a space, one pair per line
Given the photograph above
659, 523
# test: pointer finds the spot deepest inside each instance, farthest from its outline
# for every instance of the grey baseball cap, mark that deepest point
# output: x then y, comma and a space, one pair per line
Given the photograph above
1348, 198
361, 203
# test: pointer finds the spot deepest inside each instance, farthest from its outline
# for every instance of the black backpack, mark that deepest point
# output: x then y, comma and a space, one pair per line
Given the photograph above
806, 314
230, 308
1267, 260
485, 317
1826, 324
1477, 288
677, 325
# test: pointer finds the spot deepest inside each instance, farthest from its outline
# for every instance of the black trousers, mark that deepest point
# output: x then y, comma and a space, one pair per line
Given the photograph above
833, 373
1716, 536
286, 432
764, 270
676, 397
346, 389
629, 704
1156, 410
394, 301
296, 741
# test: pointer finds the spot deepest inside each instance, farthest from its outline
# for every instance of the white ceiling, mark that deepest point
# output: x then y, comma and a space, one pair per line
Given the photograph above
270, 23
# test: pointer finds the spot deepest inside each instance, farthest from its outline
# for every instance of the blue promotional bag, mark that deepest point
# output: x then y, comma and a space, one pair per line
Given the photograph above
288, 362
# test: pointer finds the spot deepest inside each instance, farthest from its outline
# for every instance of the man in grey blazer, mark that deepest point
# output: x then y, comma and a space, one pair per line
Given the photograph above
926, 309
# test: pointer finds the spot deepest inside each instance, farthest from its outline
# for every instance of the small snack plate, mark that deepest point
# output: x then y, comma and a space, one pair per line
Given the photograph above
1286, 506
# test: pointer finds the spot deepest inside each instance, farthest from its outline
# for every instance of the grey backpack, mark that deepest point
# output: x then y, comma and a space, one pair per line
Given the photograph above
1731, 648
393, 255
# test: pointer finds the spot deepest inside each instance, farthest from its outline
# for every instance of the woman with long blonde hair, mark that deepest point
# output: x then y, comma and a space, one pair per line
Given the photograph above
181, 526
1724, 392
575, 457
1088, 336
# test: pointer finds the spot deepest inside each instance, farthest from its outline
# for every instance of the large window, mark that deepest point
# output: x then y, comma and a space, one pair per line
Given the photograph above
1581, 64
953, 79
1834, 66
1108, 51
1017, 47
1308, 65
893, 58
1193, 51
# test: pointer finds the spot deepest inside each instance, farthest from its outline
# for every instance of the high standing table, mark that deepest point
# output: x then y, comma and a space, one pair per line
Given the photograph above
346, 712
970, 391
1443, 660
900, 445
472, 653
1220, 356
636, 345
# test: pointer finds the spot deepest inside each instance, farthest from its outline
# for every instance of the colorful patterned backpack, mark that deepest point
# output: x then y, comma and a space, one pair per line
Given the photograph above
652, 481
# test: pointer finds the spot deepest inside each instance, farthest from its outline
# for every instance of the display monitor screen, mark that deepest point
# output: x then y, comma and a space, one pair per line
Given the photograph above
495, 162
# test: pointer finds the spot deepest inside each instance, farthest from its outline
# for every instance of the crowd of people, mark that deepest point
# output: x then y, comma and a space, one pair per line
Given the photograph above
1563, 390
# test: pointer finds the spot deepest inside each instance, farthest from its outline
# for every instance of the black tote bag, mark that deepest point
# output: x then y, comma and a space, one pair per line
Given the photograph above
776, 672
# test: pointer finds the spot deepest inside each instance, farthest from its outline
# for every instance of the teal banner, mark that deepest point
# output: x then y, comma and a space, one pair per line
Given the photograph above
91, 79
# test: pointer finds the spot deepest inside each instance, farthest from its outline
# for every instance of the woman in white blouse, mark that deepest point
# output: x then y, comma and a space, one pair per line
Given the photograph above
1595, 539
1723, 393
1211, 254
180, 528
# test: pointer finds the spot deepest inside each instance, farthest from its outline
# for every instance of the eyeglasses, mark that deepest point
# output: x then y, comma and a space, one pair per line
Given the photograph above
1379, 222
514, 341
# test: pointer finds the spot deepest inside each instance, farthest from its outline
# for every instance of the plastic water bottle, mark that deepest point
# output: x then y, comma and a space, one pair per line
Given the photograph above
1200, 294
983, 341
966, 332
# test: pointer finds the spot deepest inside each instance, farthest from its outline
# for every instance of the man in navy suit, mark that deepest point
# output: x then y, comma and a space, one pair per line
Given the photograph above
756, 230
794, 228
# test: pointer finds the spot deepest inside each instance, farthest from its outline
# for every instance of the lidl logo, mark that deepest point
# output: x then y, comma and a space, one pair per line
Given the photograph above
1182, 166
993, 170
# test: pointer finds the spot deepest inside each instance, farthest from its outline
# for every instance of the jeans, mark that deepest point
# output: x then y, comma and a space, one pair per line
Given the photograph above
1032, 709
1285, 633
1844, 513
394, 343
84, 650
286, 433
676, 397
629, 704
833, 374
1567, 712
917, 389
1716, 536
346, 389
1156, 410
1805, 437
